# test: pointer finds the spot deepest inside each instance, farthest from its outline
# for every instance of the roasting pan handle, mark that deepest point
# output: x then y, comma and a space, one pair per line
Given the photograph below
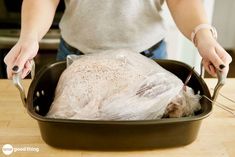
220, 83
17, 82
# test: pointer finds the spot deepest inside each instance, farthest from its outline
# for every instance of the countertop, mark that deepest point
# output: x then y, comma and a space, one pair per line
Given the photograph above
216, 136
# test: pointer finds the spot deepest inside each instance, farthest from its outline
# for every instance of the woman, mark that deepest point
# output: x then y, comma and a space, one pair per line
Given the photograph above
89, 26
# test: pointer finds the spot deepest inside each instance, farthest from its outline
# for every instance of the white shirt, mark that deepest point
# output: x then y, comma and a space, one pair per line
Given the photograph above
97, 25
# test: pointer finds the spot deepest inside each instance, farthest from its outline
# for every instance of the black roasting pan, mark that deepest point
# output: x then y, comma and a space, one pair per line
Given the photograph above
113, 135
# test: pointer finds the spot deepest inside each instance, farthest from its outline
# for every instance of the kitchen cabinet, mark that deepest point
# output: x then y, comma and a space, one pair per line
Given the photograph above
224, 21
10, 30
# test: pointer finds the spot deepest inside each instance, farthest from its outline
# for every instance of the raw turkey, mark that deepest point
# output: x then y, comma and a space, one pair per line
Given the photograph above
120, 85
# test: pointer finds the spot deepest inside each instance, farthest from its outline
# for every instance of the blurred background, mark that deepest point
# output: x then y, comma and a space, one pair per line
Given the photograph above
220, 13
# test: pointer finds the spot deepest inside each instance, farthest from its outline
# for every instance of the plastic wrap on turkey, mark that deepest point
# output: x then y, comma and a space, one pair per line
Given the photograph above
120, 85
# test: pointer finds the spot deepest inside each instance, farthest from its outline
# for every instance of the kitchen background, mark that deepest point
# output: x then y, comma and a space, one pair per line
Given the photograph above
10, 30
220, 14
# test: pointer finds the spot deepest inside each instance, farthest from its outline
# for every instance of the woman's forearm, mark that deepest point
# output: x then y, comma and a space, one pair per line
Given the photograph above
187, 14
36, 18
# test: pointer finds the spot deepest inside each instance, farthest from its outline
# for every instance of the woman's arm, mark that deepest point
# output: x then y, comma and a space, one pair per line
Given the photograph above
36, 19
187, 15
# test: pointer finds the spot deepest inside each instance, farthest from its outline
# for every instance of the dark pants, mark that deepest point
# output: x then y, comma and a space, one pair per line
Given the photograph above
156, 52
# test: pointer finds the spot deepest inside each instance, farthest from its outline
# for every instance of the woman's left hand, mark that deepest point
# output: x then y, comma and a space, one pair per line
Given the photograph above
213, 54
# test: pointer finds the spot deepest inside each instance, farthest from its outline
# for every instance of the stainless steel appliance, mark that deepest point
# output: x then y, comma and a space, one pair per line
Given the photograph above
10, 18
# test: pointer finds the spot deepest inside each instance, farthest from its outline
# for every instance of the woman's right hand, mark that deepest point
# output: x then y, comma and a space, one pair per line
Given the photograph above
20, 56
